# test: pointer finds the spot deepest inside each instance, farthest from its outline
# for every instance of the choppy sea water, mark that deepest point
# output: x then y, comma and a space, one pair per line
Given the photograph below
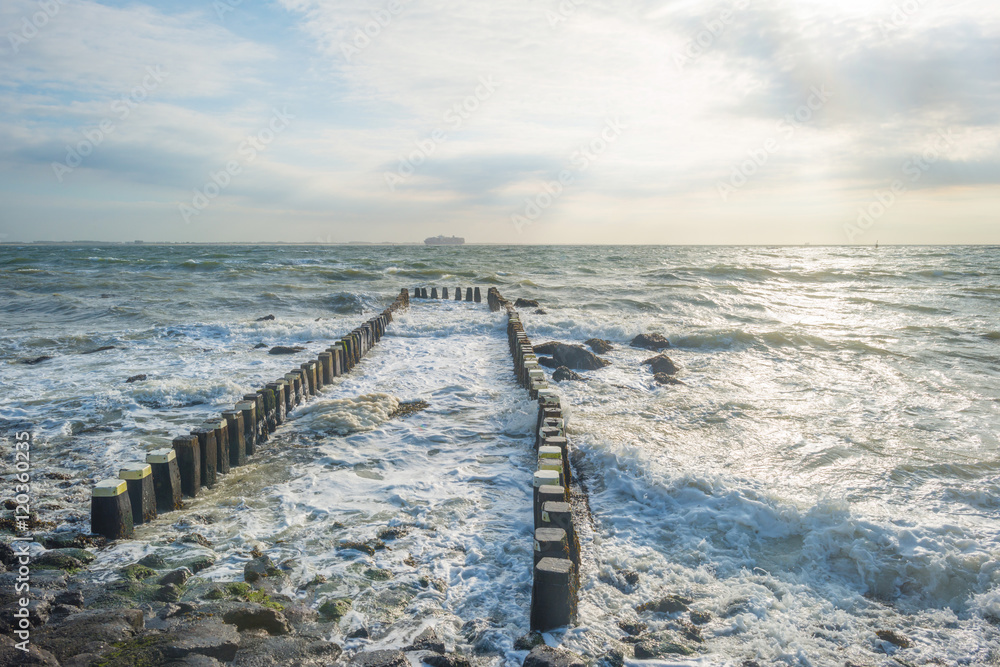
829, 467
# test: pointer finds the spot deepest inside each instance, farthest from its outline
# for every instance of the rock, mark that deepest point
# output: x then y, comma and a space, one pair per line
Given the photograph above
381, 658
666, 605
613, 658
154, 561
260, 346
281, 349
266, 318
631, 577
259, 568
168, 593
650, 342
197, 538
136, 572
529, 641
335, 609
893, 638
206, 636
136, 378
255, 617
178, 577
199, 563
635, 628
426, 641
64, 559
599, 345
526, 303
663, 378
88, 631
548, 362
661, 363
450, 660
700, 617
10, 655
572, 356
359, 633
281, 651
541, 312
546, 656
563, 374
36, 360
378, 574
392, 532
194, 660
71, 598
103, 348
653, 648
474, 630
363, 547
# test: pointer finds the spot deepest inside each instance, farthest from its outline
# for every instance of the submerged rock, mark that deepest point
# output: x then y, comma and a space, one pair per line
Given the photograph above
663, 378
669, 604
426, 641
893, 638
652, 648
282, 349
563, 374
103, 348
700, 617
36, 360
650, 342
335, 609
599, 345
572, 356
661, 363
529, 641
546, 656
136, 378
266, 318
526, 303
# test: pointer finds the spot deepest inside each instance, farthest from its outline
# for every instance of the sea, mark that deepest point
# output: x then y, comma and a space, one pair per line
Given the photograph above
827, 470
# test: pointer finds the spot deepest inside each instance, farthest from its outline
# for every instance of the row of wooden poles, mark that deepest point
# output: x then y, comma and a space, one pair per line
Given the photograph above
145, 489
471, 293
555, 583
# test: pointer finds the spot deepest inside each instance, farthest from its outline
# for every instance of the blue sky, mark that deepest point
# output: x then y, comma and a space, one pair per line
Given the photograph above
528, 121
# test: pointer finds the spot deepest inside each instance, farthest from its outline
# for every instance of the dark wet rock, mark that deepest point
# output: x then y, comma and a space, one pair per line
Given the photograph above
652, 648
663, 378
449, 660
546, 656
36, 360
689, 631
260, 346
392, 532
631, 577
259, 568
599, 345
669, 604
136, 378
893, 638
363, 547
650, 342
335, 609
281, 651
436, 583
378, 574
255, 617
103, 348
661, 363
89, 631
168, 593
563, 374
474, 630
70, 598
359, 633
529, 641
613, 658
136, 572
197, 538
194, 660
11, 655
526, 303
63, 559
700, 617
199, 563
7, 555
207, 636
541, 312
177, 577
427, 641
381, 658
754, 663
572, 356
299, 614
266, 318
548, 362
634, 628
282, 349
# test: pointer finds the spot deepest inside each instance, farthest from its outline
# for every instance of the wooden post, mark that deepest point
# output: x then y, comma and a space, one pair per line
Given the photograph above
188, 453
166, 479
141, 495
209, 455
111, 510
237, 438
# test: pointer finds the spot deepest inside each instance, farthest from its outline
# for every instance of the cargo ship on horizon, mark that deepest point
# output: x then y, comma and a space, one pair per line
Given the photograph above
445, 240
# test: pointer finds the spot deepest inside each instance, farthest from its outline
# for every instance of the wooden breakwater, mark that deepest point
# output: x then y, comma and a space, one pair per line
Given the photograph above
145, 489
555, 582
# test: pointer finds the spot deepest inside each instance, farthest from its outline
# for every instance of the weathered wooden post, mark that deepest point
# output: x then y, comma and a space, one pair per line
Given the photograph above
434, 292
166, 479
468, 294
209, 455
237, 437
249, 411
138, 479
553, 595
478, 296
188, 453
444, 292
111, 510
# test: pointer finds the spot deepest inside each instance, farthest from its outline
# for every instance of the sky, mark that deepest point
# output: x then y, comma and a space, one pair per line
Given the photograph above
522, 121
